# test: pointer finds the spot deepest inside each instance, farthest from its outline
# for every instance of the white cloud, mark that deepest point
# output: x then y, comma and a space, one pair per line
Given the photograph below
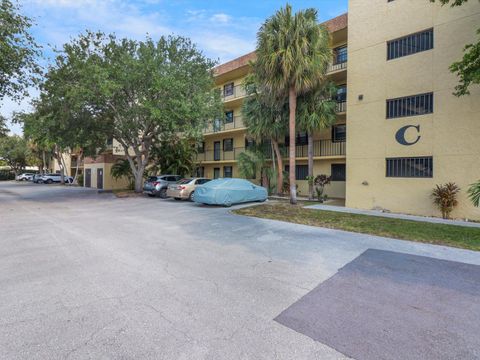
220, 18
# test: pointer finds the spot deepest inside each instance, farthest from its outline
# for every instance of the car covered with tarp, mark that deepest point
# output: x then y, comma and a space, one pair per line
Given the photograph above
229, 191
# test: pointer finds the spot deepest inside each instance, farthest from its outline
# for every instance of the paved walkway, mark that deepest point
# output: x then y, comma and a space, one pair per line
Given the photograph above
394, 215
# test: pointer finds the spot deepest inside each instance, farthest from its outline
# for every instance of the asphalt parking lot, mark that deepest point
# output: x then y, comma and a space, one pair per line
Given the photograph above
90, 276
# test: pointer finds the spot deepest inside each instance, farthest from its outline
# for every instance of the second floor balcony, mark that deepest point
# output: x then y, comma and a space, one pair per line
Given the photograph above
321, 148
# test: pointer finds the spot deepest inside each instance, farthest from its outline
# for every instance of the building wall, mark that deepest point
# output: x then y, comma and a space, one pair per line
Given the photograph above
450, 134
104, 162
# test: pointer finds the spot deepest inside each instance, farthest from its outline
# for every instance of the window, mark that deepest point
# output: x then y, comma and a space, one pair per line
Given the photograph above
340, 54
201, 181
410, 44
339, 133
216, 173
229, 117
421, 167
201, 147
200, 171
227, 172
300, 139
228, 89
249, 143
410, 106
341, 93
338, 172
227, 144
301, 171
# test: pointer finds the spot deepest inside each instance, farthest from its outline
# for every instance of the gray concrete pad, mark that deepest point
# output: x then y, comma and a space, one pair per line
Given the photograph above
389, 305
86, 275
433, 220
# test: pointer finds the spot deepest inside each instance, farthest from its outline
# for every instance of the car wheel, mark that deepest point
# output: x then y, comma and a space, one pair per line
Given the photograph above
49, 181
163, 193
191, 197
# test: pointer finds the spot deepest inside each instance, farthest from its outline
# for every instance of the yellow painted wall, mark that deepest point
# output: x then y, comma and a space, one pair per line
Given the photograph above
451, 134
109, 183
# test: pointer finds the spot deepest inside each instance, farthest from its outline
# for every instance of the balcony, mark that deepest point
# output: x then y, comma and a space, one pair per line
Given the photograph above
337, 67
236, 92
224, 125
341, 107
220, 155
321, 148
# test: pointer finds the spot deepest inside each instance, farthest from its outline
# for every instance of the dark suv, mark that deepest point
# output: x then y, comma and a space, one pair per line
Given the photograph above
157, 185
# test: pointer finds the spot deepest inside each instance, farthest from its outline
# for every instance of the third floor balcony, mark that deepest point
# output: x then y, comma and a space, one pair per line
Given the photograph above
229, 123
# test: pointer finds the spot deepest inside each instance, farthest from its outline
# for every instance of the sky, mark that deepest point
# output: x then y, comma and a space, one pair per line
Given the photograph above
223, 30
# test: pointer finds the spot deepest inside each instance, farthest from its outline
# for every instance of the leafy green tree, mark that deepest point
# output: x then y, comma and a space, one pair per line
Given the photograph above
293, 57
316, 111
467, 69
149, 91
266, 117
14, 152
18, 52
174, 156
3, 126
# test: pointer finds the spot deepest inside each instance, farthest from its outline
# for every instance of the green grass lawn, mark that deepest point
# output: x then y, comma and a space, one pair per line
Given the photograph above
451, 235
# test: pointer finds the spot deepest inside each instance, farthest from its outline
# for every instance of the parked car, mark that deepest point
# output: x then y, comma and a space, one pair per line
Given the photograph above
25, 177
185, 188
157, 185
55, 178
228, 191
37, 178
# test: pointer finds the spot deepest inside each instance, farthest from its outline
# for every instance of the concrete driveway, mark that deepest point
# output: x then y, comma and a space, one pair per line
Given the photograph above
89, 276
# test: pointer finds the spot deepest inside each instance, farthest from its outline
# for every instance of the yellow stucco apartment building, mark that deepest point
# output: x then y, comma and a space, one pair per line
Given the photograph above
399, 129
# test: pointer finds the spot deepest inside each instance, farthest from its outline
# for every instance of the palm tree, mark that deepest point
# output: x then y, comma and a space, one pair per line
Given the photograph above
316, 111
293, 55
265, 116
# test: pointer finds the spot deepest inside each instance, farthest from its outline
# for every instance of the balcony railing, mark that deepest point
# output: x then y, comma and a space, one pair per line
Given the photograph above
220, 155
320, 148
341, 107
238, 91
337, 66
223, 125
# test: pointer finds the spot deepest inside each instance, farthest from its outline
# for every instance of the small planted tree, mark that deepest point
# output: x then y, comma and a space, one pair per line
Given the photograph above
474, 193
320, 182
445, 197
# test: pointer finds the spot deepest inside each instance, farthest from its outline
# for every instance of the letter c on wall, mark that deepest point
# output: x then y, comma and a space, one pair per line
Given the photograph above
400, 135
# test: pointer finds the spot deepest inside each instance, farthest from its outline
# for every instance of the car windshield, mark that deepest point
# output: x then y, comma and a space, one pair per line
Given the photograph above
184, 181
152, 178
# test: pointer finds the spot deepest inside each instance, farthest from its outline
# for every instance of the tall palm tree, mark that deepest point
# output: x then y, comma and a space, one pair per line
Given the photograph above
293, 54
265, 117
316, 111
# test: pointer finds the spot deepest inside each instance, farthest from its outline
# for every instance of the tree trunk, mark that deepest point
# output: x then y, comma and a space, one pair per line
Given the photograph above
44, 163
138, 181
310, 166
276, 149
79, 158
292, 104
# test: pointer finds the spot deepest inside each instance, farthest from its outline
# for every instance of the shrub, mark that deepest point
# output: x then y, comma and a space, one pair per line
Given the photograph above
320, 182
445, 197
6, 175
474, 193
80, 179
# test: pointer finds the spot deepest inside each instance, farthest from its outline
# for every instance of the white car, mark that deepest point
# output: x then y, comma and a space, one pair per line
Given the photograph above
55, 178
25, 177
